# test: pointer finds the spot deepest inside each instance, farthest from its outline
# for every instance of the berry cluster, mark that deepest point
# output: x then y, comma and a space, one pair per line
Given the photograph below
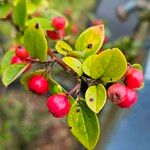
125, 95
21, 55
58, 33
57, 104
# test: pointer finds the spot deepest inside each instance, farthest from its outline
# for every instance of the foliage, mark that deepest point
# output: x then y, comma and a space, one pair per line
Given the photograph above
83, 62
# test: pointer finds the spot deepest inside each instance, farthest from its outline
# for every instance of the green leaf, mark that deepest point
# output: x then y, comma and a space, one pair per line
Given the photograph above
92, 67
37, 2
90, 41
96, 97
66, 50
45, 23
53, 85
137, 66
84, 124
74, 63
114, 65
12, 72
110, 65
20, 15
35, 42
6, 60
63, 48
5, 9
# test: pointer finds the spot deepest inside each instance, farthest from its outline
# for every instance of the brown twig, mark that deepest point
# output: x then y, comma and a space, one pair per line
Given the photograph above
75, 89
61, 63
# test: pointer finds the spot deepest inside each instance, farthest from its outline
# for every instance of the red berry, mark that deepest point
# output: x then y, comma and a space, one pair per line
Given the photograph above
134, 78
58, 105
38, 84
58, 22
116, 93
15, 59
21, 52
56, 35
130, 98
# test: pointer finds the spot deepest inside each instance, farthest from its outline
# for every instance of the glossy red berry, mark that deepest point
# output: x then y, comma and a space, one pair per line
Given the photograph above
58, 22
116, 93
21, 52
15, 60
58, 105
38, 84
56, 35
134, 78
130, 98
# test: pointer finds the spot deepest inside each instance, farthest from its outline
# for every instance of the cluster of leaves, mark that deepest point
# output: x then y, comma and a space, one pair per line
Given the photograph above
83, 61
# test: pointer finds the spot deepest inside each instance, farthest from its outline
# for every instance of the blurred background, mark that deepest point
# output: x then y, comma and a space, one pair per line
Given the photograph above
25, 124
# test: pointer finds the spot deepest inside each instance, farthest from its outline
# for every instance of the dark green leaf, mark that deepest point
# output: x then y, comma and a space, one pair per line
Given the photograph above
12, 72
20, 15
90, 41
84, 124
96, 97
35, 42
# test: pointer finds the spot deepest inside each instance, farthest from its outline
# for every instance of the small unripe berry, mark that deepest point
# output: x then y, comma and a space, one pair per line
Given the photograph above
58, 22
15, 60
21, 52
56, 35
134, 78
38, 84
116, 93
58, 105
130, 98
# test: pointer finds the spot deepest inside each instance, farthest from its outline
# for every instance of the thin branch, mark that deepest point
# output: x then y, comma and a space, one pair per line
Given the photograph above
61, 63
75, 89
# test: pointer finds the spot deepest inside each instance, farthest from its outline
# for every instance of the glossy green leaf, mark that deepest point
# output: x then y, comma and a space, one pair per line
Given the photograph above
96, 97
45, 24
74, 63
6, 60
66, 50
138, 66
35, 42
20, 15
90, 41
114, 64
12, 72
84, 124
110, 65
63, 48
92, 67
5, 9
54, 87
